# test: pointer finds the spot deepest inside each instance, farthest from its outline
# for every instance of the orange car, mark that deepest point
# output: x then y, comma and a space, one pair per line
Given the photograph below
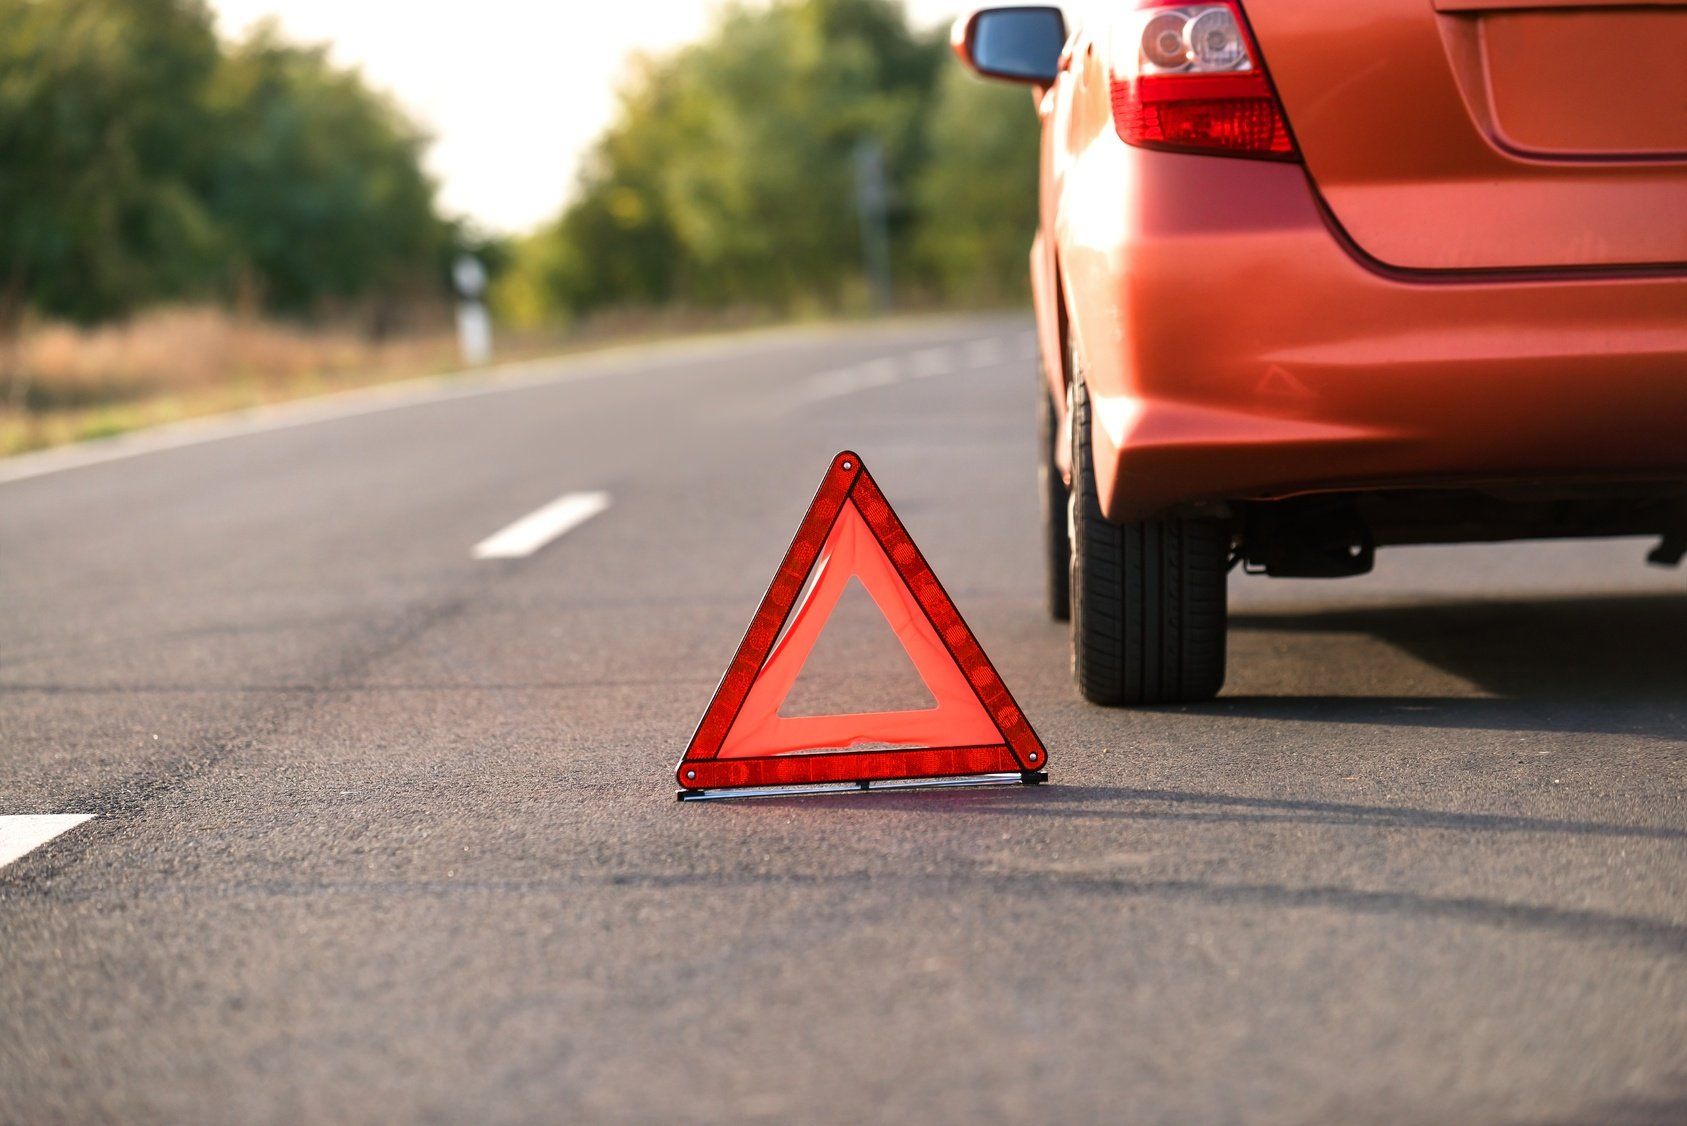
1318, 276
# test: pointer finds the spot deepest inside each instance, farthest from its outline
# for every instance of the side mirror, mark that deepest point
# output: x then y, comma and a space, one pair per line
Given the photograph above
1020, 44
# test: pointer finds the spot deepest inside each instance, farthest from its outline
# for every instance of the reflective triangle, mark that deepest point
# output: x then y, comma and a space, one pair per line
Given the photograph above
851, 532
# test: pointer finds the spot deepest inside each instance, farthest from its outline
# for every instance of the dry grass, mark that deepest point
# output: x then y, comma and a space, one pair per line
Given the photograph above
65, 384
60, 384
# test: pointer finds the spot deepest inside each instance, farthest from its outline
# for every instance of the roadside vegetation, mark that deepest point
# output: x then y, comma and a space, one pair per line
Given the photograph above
189, 224
729, 176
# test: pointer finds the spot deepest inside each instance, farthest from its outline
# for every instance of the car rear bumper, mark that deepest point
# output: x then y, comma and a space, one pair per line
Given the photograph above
1235, 348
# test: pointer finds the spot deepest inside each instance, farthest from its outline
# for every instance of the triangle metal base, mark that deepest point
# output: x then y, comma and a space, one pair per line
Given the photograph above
1021, 778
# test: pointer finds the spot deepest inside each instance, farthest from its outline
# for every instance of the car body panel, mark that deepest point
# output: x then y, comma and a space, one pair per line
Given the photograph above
1236, 346
1234, 350
1483, 135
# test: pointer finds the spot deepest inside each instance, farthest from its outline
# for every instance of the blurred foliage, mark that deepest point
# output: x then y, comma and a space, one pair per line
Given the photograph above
728, 177
318, 182
977, 192
141, 160
144, 161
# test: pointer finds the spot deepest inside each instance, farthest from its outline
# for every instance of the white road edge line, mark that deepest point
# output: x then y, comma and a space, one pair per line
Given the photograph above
22, 834
541, 526
515, 375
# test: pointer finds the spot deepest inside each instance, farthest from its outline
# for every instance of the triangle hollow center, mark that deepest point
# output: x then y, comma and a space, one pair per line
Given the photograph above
851, 552
858, 665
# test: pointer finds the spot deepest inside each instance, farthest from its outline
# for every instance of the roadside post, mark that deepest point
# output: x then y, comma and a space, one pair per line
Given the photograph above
872, 205
474, 326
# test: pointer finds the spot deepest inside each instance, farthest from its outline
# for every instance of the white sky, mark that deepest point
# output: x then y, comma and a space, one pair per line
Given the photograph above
513, 91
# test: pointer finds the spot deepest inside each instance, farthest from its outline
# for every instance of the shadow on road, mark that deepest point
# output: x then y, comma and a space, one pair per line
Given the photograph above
1668, 1109
1597, 665
1193, 805
1188, 805
1097, 876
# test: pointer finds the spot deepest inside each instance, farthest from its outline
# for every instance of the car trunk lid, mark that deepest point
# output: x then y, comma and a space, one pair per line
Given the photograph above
1490, 134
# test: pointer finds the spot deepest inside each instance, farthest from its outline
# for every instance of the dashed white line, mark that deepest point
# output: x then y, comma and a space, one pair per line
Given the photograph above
943, 359
23, 834
540, 527
984, 353
844, 381
932, 361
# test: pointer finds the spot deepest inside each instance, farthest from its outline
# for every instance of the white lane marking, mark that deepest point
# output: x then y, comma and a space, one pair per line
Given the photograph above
22, 834
924, 363
846, 381
541, 526
984, 353
928, 362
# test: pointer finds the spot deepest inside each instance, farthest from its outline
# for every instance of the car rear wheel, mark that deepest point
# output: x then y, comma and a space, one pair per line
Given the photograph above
1051, 488
1148, 597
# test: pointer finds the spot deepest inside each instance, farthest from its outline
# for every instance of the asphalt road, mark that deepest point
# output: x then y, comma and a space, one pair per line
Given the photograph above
386, 832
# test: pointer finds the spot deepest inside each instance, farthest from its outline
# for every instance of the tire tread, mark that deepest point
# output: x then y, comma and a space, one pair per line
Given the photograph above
1148, 598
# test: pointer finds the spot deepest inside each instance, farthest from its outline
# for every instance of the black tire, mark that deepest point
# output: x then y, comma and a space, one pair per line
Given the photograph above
1148, 598
1051, 488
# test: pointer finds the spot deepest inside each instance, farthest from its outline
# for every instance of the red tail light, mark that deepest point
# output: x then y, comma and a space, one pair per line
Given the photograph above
1189, 77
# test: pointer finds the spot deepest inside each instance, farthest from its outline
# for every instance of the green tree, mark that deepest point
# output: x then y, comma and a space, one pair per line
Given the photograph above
104, 154
615, 245
317, 181
977, 193
141, 161
728, 176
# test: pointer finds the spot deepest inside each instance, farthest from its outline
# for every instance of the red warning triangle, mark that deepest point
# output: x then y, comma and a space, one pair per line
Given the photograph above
975, 727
